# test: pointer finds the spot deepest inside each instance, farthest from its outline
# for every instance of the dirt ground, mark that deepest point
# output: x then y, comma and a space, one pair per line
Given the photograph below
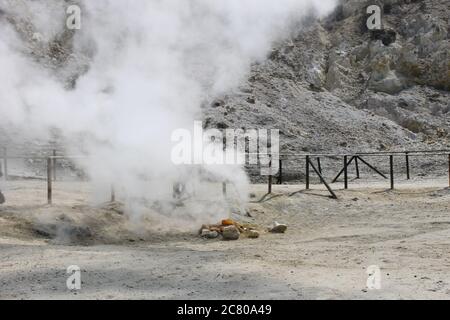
323, 255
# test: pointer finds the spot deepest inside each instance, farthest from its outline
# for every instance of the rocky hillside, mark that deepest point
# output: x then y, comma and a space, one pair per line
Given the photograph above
336, 86
333, 86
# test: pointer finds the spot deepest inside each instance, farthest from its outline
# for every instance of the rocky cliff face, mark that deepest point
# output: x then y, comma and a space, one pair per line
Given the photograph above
337, 86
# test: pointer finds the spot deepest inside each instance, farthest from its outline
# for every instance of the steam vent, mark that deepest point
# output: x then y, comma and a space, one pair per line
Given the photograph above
207, 151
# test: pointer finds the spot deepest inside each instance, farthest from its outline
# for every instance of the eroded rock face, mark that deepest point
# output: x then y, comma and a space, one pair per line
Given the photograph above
425, 55
420, 110
336, 86
411, 49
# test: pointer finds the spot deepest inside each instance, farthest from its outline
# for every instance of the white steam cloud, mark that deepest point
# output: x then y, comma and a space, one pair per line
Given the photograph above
138, 70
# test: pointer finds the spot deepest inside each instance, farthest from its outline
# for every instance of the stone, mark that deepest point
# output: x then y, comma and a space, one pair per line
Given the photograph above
252, 234
230, 233
213, 234
209, 234
278, 228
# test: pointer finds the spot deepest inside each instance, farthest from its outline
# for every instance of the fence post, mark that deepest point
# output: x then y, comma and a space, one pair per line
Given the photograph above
49, 180
357, 168
391, 169
281, 171
322, 180
270, 177
319, 165
345, 172
407, 165
307, 173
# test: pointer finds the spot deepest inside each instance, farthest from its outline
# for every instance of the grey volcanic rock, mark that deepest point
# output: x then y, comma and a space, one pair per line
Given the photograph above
230, 233
335, 87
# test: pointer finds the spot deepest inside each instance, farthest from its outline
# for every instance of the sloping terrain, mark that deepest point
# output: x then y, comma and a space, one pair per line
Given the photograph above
339, 87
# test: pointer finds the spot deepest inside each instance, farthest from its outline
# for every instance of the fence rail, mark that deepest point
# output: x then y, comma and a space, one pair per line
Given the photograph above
356, 158
308, 158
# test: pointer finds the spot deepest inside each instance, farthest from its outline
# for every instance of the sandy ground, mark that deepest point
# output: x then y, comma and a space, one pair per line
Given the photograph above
323, 255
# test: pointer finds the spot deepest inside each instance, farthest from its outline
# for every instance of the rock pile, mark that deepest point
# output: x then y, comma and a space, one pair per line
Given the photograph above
229, 230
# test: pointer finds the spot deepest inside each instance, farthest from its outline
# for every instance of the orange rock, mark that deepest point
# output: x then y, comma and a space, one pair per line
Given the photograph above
227, 222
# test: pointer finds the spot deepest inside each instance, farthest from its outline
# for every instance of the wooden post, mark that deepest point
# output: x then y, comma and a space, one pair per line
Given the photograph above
319, 165
280, 168
307, 172
49, 180
391, 169
407, 165
371, 167
342, 170
333, 195
345, 172
357, 168
270, 178
54, 165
